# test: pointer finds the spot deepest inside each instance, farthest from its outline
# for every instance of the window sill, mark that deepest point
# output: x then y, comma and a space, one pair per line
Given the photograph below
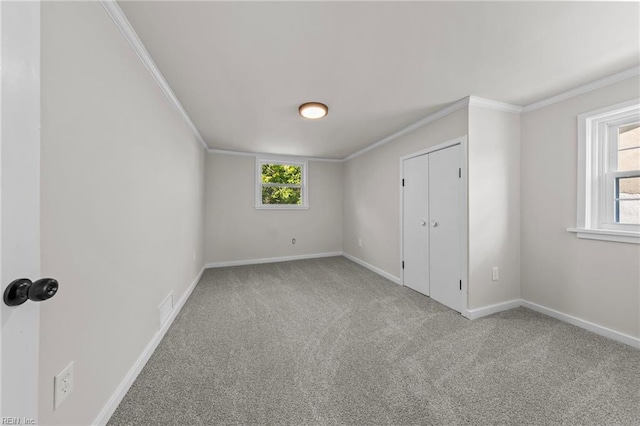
607, 235
281, 207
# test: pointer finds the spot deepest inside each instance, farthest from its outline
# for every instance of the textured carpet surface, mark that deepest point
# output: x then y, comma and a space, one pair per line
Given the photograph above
326, 341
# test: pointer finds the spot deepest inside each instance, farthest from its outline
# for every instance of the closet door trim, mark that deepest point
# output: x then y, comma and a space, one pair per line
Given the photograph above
464, 216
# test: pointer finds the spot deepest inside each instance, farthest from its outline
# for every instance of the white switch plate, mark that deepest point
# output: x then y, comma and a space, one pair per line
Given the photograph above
495, 274
62, 385
359, 242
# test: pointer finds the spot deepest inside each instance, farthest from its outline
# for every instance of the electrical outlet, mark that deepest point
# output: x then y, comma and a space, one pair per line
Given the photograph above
165, 309
62, 385
494, 273
359, 242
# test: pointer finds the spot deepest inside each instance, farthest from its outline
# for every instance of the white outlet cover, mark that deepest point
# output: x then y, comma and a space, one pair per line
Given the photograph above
62, 385
165, 309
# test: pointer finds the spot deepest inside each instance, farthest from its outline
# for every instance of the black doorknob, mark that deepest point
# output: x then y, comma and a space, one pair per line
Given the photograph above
22, 289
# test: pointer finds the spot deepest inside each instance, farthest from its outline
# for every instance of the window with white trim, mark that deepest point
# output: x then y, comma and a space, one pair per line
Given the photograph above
281, 183
609, 173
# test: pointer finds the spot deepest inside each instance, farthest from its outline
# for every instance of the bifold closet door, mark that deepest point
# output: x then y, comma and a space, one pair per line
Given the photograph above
445, 227
415, 173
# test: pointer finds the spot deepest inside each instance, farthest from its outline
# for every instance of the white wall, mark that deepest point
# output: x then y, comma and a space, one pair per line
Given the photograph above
122, 203
372, 192
494, 206
236, 230
596, 281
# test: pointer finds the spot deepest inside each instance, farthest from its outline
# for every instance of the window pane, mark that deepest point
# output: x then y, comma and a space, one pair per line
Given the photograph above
629, 136
281, 173
628, 187
281, 195
628, 203
629, 211
629, 159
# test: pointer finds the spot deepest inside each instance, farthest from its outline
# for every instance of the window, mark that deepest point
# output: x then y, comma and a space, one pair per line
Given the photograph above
281, 184
609, 174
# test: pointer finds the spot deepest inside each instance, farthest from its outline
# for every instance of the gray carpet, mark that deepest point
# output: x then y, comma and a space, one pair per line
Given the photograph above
326, 341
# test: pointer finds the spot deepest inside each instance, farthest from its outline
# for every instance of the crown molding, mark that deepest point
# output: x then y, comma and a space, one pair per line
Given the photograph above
501, 106
462, 103
428, 119
123, 24
585, 88
495, 105
264, 154
229, 152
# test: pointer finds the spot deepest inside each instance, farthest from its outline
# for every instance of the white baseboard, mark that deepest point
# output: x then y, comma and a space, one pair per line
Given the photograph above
589, 326
271, 259
492, 309
304, 256
594, 328
108, 410
372, 268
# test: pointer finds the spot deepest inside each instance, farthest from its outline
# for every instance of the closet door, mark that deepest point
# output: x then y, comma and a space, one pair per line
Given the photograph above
415, 173
445, 227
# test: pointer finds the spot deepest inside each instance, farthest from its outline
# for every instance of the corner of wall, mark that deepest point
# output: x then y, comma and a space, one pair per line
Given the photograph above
494, 206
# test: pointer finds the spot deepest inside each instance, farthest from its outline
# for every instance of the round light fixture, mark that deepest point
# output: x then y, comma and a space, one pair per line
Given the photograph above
313, 110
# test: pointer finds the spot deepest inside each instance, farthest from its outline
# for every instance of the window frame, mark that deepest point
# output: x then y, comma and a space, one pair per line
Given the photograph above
597, 173
286, 161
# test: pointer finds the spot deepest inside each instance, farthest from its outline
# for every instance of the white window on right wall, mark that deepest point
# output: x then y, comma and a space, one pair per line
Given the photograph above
609, 174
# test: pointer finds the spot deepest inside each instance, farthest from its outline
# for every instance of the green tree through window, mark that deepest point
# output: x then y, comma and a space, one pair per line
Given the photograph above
281, 184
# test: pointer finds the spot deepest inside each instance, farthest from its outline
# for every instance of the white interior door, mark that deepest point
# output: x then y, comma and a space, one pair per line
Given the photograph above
19, 204
445, 210
415, 229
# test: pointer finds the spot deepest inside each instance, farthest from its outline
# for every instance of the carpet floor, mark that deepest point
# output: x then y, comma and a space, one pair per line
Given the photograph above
325, 341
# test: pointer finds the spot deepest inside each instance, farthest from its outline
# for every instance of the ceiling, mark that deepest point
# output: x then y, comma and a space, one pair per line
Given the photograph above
240, 69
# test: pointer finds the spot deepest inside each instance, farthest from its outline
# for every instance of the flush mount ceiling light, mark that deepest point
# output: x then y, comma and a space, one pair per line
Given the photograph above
313, 110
